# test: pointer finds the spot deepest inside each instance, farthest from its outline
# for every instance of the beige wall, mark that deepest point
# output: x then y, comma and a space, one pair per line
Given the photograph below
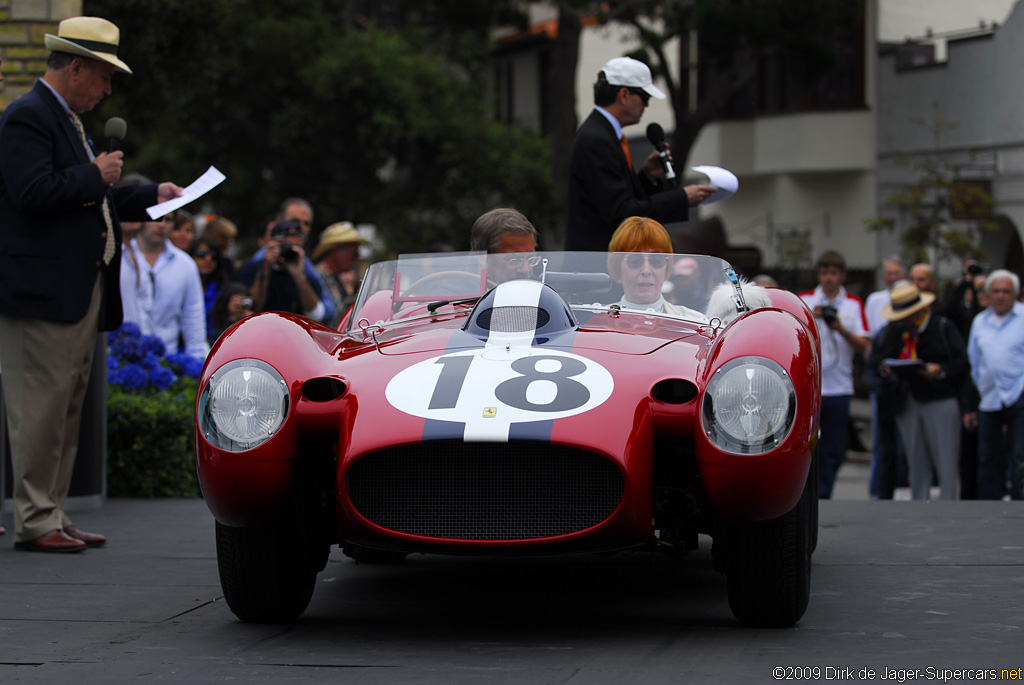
23, 23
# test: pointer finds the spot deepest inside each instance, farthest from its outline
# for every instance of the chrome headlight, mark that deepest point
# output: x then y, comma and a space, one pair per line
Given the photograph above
749, 406
243, 405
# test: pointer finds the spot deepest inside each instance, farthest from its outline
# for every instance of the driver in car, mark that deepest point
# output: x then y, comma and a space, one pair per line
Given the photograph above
507, 234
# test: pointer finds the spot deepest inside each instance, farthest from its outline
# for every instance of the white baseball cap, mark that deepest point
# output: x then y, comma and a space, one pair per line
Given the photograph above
631, 73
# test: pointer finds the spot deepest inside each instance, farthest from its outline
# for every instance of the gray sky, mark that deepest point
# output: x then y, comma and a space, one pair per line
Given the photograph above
901, 18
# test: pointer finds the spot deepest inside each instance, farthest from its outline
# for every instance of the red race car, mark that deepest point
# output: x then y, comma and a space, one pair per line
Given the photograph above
518, 404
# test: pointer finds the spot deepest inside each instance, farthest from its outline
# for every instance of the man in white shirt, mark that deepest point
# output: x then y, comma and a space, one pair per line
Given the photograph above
996, 351
843, 331
165, 296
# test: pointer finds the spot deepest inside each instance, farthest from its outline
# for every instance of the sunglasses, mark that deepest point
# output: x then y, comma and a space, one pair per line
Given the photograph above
516, 262
200, 254
636, 261
644, 95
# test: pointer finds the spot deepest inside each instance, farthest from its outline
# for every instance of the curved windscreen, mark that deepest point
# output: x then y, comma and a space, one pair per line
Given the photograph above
670, 285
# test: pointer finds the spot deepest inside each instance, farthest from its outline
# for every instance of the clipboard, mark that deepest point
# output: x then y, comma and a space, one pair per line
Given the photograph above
905, 368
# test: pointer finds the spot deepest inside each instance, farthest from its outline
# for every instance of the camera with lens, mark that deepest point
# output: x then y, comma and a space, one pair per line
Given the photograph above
830, 314
246, 303
289, 254
975, 269
280, 232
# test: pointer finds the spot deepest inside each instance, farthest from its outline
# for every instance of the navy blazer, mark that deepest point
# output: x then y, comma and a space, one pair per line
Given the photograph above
603, 190
52, 232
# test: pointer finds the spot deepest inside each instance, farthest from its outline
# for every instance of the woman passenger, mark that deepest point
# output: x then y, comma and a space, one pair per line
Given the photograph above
643, 273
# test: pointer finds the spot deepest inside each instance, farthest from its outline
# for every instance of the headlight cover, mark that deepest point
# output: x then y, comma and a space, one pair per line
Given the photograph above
749, 406
243, 405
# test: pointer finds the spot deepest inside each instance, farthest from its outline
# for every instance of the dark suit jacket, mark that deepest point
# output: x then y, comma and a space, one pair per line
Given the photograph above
603, 191
52, 231
940, 343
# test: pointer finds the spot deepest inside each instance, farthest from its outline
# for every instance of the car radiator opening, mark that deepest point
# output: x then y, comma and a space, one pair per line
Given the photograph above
485, 491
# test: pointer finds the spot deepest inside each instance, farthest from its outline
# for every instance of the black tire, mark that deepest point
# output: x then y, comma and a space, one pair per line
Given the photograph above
812, 487
768, 567
266, 574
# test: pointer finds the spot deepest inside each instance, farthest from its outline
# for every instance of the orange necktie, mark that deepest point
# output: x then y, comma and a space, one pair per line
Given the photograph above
625, 149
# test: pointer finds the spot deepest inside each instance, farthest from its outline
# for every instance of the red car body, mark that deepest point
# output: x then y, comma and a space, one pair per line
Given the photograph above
421, 432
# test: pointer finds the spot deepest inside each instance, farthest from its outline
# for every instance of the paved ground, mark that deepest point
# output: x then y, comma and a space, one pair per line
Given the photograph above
898, 585
903, 589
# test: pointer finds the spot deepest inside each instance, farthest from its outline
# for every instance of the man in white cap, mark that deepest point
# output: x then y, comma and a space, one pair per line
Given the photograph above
60, 257
605, 185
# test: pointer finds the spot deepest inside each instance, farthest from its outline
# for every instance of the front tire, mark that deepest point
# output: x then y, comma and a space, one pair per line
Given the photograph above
267, 573
768, 568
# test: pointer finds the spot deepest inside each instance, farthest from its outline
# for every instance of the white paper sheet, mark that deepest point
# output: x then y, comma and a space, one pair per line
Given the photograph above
720, 178
197, 189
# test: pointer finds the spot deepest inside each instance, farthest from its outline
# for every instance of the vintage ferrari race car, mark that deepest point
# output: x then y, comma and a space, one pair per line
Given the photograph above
520, 404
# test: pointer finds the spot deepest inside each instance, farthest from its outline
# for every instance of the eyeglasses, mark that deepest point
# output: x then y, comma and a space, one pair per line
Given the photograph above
517, 261
200, 254
644, 95
636, 261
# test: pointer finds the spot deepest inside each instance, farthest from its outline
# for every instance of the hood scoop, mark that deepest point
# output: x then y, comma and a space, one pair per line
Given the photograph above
517, 312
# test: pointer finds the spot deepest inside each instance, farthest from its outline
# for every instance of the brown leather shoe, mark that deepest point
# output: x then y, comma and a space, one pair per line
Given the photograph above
90, 539
54, 541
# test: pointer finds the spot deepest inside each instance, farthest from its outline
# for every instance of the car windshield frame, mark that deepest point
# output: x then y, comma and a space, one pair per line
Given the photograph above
427, 285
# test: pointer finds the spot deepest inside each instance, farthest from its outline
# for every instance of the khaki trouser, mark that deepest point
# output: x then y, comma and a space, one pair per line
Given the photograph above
46, 367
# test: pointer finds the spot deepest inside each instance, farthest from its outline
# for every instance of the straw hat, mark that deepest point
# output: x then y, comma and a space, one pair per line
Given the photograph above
906, 300
89, 37
337, 234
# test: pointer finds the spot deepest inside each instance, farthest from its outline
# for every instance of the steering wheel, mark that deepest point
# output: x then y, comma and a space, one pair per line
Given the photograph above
462, 283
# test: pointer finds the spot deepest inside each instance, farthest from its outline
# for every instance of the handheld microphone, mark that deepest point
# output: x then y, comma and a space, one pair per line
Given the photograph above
656, 134
114, 132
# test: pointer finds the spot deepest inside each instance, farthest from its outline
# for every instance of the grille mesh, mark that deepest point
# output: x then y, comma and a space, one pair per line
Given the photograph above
512, 319
485, 491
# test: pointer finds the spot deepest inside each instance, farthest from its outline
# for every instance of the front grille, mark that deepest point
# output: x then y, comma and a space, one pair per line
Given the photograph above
485, 491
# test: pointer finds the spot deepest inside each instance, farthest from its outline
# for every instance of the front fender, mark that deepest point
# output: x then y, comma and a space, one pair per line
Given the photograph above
252, 486
761, 487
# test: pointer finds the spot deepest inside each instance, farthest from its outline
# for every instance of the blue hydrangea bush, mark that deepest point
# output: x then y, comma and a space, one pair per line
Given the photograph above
150, 403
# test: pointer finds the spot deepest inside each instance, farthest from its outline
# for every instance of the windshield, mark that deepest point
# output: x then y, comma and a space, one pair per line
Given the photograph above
677, 286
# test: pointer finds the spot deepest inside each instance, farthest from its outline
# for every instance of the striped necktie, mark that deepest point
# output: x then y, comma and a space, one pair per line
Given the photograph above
625, 149
110, 247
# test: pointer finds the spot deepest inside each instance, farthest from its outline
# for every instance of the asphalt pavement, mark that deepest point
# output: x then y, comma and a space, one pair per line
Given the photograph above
900, 590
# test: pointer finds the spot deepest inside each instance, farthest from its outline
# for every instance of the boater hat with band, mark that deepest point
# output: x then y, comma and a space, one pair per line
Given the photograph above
88, 37
905, 301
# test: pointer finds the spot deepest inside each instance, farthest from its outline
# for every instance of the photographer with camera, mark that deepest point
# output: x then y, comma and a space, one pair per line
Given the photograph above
843, 331
282, 279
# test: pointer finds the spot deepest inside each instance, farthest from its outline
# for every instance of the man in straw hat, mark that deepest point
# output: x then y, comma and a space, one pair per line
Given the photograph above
336, 254
923, 352
60, 244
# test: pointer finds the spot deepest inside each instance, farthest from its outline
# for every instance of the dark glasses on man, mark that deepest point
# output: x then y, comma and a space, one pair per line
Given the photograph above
636, 261
644, 95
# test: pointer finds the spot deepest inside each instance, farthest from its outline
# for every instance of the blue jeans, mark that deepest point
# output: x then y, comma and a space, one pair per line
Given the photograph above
1001, 455
835, 414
